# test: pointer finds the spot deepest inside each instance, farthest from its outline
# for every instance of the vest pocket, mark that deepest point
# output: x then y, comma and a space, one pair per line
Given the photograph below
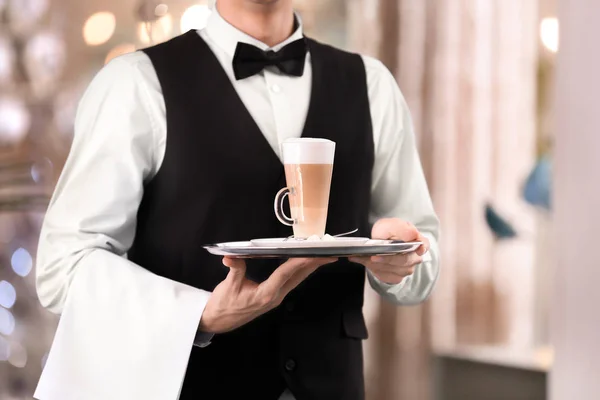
353, 324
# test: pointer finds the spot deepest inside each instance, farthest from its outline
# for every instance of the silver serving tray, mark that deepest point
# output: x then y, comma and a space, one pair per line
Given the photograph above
248, 250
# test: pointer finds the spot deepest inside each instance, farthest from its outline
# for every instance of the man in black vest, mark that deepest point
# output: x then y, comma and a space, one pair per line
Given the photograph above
177, 146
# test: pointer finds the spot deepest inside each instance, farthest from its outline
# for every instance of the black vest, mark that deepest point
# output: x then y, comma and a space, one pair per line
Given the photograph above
217, 183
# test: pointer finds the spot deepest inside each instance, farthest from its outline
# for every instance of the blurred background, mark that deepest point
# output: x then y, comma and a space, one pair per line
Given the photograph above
478, 76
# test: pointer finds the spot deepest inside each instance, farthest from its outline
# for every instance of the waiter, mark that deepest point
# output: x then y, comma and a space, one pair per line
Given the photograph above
177, 146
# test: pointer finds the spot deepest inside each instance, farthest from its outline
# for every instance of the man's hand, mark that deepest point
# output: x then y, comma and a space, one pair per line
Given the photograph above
238, 300
393, 269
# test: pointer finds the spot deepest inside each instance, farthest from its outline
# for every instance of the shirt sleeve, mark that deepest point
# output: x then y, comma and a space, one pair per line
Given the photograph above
399, 188
123, 330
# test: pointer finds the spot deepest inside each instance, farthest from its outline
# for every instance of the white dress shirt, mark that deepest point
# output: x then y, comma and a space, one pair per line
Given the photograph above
124, 332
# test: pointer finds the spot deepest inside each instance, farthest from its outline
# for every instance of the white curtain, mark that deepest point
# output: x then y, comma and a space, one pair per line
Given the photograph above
468, 71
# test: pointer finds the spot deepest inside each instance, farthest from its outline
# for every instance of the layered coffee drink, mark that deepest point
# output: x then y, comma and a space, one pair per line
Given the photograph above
309, 198
308, 169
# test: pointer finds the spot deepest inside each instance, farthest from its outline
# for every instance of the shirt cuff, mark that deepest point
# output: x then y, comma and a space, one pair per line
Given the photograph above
427, 257
203, 339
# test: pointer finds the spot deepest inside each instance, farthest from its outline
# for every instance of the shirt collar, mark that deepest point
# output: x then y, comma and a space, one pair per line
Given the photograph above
227, 36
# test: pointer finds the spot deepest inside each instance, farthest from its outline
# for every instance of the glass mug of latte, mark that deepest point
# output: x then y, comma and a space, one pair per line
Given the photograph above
308, 166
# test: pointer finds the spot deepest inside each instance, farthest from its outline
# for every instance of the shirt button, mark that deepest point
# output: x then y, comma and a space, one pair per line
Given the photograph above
276, 88
290, 365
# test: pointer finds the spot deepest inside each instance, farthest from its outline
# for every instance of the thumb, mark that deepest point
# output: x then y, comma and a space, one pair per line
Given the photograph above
395, 229
424, 248
237, 269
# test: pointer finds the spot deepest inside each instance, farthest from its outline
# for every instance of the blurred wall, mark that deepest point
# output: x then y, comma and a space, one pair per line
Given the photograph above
468, 70
576, 319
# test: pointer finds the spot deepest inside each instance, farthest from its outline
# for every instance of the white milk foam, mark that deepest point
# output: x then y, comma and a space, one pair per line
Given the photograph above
308, 151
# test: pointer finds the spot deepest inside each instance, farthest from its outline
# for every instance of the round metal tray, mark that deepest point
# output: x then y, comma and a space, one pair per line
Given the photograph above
248, 250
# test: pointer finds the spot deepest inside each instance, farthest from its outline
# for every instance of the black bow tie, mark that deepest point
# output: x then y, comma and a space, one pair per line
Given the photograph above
250, 60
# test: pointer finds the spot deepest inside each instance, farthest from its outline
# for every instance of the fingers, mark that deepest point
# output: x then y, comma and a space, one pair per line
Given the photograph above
360, 260
293, 271
391, 269
391, 278
391, 274
400, 260
237, 270
304, 273
387, 262
280, 276
237, 300
394, 228
424, 248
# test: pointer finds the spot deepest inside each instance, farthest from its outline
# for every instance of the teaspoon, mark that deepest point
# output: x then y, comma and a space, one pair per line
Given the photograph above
338, 235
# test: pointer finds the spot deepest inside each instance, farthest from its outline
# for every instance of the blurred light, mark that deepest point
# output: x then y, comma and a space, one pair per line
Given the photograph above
7, 322
47, 50
65, 108
195, 17
160, 30
23, 15
161, 10
18, 355
44, 359
8, 294
15, 120
36, 174
7, 59
4, 349
99, 28
119, 51
146, 11
42, 171
21, 262
549, 33
45, 58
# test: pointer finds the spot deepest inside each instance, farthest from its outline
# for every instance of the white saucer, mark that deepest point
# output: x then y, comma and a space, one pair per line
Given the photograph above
299, 243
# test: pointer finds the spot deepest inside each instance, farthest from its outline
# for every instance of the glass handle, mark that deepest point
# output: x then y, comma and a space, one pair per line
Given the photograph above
278, 205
